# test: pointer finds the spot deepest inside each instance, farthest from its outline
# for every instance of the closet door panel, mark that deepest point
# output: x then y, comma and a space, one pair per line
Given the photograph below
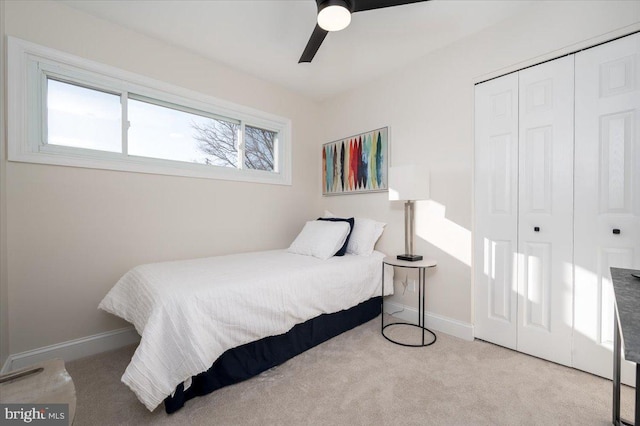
607, 193
495, 227
545, 229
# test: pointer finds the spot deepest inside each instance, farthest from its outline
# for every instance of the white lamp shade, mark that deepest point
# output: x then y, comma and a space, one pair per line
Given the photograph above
334, 18
409, 182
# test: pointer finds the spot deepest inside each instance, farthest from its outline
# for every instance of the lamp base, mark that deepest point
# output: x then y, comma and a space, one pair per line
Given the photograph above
409, 257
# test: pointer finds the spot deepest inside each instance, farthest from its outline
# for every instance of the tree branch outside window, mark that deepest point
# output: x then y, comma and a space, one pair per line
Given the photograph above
219, 140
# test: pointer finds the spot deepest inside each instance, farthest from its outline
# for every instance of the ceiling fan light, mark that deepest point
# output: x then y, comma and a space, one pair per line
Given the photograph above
334, 17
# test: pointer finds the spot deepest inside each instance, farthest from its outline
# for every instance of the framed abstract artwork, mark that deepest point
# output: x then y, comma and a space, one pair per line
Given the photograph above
356, 164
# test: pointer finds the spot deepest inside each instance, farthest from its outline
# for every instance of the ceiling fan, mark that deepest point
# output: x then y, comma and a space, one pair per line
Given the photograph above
335, 15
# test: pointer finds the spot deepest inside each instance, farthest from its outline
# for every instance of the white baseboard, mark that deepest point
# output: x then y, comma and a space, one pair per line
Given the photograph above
459, 329
110, 340
73, 349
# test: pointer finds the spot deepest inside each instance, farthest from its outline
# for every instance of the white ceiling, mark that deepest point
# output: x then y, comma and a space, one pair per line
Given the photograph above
266, 38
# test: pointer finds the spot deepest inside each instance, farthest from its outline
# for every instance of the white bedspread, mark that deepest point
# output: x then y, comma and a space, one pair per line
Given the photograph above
190, 312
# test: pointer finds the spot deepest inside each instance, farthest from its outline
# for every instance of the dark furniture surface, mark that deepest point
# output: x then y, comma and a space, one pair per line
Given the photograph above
626, 332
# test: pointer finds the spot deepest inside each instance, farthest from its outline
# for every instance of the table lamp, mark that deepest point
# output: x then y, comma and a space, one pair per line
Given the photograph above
409, 183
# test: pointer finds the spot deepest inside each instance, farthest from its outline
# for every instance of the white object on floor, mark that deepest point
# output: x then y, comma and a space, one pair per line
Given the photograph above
44, 383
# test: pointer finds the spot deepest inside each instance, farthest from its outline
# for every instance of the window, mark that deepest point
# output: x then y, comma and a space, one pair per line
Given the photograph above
83, 118
70, 111
164, 132
259, 146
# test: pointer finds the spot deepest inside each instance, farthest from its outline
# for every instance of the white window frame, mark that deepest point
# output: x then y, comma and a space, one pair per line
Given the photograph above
29, 65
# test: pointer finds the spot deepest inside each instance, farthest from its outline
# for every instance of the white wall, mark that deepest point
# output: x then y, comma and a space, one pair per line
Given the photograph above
429, 108
4, 312
73, 232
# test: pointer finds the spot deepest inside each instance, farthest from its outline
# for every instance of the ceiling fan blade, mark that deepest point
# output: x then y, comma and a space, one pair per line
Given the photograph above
362, 5
316, 39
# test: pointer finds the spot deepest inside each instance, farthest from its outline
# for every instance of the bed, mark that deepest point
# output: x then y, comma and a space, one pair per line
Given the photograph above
207, 323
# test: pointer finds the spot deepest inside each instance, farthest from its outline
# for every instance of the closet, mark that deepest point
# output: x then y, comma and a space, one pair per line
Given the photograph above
557, 202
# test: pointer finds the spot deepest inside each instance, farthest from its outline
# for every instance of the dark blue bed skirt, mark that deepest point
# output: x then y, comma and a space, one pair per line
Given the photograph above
246, 361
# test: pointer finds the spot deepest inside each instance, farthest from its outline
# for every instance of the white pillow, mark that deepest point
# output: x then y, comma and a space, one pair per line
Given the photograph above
320, 239
364, 235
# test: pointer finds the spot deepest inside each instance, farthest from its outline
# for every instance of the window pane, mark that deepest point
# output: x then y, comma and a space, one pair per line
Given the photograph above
83, 118
161, 132
259, 148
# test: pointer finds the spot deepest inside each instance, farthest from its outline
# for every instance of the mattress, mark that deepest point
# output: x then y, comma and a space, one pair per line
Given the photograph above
190, 312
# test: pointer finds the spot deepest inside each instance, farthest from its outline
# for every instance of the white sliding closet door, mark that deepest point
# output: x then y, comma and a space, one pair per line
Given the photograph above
557, 202
545, 227
524, 181
607, 193
496, 210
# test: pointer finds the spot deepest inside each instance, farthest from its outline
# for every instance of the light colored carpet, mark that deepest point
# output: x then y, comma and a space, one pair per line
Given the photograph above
359, 378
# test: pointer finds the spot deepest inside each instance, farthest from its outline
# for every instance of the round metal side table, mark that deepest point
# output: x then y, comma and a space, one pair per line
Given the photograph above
421, 266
